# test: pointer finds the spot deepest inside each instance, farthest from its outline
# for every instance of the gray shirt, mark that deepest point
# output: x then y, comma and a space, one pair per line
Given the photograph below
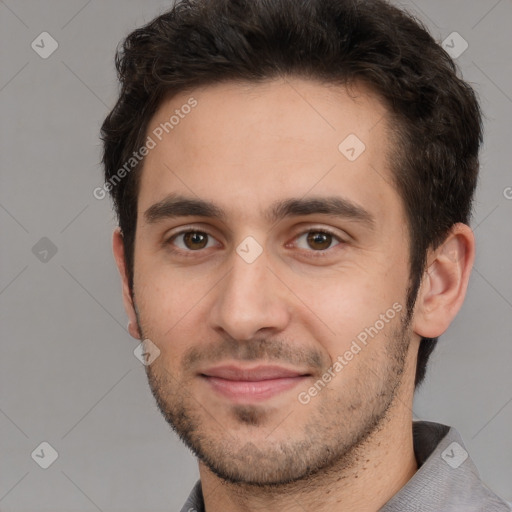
446, 480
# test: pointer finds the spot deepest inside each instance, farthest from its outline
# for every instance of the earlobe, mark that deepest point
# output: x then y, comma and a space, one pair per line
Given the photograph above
444, 282
118, 250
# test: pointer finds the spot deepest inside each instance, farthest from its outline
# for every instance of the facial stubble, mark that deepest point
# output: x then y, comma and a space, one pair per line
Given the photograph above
331, 439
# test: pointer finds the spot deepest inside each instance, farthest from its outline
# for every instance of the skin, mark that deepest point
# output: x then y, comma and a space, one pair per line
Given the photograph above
244, 147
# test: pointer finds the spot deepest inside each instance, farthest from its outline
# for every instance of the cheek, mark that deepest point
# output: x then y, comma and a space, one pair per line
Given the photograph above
166, 305
345, 307
165, 292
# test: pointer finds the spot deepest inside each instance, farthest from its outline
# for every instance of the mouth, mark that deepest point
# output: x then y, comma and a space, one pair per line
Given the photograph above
245, 384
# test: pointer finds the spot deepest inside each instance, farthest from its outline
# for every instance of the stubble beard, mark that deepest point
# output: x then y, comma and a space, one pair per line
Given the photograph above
330, 440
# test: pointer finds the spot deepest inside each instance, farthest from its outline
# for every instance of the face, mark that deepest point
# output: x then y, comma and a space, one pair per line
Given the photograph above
271, 269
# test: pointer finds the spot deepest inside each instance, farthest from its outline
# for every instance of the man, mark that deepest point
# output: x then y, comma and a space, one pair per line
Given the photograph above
293, 182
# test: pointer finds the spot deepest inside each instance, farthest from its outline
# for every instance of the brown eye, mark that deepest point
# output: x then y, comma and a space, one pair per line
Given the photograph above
319, 240
191, 241
194, 240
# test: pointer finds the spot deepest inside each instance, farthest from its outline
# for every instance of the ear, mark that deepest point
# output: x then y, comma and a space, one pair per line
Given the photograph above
118, 249
445, 282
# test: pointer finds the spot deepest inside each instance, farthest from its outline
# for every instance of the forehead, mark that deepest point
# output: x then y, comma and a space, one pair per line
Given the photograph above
244, 146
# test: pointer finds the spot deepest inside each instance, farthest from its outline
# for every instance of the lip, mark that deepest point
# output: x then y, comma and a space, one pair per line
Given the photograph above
244, 384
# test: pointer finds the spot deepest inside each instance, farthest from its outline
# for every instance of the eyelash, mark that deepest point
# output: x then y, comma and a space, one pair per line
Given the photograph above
320, 253
312, 253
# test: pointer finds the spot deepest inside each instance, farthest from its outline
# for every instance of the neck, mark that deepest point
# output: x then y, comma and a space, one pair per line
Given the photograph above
382, 466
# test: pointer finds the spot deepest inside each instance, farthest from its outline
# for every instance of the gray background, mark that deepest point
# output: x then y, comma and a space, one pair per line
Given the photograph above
68, 373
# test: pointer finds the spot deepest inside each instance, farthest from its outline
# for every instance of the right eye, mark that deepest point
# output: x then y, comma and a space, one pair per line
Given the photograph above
192, 240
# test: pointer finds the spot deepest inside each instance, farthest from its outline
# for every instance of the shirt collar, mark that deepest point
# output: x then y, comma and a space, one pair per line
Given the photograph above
446, 478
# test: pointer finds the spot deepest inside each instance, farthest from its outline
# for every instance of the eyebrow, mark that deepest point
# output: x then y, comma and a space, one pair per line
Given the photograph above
175, 205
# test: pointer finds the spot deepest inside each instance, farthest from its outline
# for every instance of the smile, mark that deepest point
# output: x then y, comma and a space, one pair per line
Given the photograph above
244, 385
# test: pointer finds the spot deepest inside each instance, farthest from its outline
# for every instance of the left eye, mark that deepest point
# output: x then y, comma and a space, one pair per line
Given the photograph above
317, 240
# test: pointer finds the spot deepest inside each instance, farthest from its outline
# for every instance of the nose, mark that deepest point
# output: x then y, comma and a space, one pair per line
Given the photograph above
250, 301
